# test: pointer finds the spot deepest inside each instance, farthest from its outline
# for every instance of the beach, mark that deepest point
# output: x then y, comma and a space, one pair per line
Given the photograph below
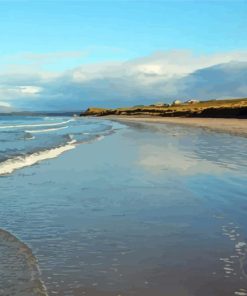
143, 209
123, 148
229, 125
19, 271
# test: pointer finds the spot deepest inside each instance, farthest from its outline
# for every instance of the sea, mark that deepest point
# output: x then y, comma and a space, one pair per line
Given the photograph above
26, 140
91, 206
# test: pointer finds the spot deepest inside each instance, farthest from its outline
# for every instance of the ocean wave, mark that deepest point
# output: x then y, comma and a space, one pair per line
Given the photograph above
46, 130
36, 125
10, 165
99, 138
91, 140
30, 138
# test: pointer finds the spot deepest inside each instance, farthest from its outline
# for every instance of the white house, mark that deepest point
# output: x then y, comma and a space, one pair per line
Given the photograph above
159, 104
192, 101
176, 102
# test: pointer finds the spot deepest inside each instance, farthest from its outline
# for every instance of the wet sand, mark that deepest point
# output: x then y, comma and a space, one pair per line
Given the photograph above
19, 271
152, 209
229, 125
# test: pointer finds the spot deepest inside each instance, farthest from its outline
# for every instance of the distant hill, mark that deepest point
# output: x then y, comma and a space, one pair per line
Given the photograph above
5, 109
230, 108
39, 113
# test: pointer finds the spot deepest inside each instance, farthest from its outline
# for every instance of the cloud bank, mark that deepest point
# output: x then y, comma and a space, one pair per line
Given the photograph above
161, 76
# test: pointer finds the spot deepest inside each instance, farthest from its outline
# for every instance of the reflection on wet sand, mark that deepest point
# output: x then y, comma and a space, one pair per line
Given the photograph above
19, 271
146, 211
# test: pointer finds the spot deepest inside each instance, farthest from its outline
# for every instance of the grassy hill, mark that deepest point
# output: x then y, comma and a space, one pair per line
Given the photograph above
233, 108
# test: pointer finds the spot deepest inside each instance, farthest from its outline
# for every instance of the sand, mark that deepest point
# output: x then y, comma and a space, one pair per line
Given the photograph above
229, 125
140, 212
19, 271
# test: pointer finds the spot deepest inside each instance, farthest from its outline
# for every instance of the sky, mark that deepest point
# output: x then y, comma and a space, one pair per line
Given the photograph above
74, 54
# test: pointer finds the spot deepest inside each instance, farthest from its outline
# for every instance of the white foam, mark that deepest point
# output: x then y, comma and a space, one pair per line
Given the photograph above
240, 293
227, 260
46, 130
240, 245
10, 165
96, 139
31, 138
36, 125
100, 138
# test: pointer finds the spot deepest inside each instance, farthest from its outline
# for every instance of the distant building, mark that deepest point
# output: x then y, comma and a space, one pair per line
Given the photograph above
160, 104
176, 102
192, 101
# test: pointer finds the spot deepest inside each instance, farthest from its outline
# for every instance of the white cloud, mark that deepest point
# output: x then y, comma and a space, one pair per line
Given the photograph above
181, 62
5, 104
160, 76
30, 89
17, 93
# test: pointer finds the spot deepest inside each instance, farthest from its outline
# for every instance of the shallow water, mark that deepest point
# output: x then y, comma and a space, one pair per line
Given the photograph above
26, 140
19, 272
149, 210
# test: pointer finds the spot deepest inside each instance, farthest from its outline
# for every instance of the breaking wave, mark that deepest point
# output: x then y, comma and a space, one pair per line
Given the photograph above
12, 164
35, 125
46, 130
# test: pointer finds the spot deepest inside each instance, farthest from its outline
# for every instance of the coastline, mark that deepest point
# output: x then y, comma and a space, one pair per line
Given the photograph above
228, 125
17, 261
102, 226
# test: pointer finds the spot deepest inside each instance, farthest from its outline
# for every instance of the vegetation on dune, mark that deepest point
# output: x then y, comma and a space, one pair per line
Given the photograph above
233, 108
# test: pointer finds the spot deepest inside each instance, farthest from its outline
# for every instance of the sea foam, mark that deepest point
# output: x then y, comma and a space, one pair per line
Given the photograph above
10, 165
46, 130
35, 125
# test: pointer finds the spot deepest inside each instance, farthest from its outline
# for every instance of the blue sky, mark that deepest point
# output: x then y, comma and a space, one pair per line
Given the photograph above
121, 29
58, 36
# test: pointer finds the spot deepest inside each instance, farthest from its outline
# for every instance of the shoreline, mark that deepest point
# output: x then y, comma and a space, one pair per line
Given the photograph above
228, 125
85, 214
17, 261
